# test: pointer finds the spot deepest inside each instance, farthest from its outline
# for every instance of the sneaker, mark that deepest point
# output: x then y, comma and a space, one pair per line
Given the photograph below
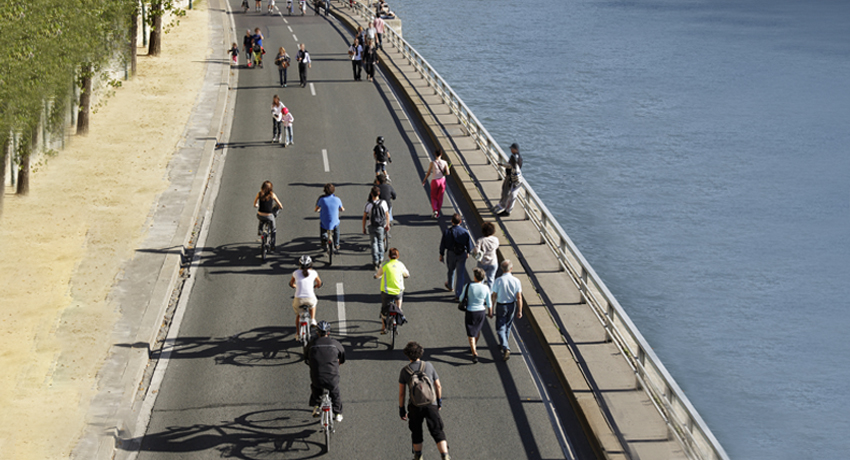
506, 354
313, 322
448, 288
338, 418
475, 360
316, 412
336, 249
417, 455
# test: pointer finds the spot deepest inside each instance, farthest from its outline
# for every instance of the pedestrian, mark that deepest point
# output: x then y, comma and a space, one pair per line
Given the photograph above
478, 307
287, 121
259, 51
378, 215
360, 34
511, 183
381, 156
305, 281
370, 31
234, 55
507, 294
355, 52
329, 206
387, 192
420, 406
248, 45
370, 59
392, 275
379, 31
268, 206
456, 245
304, 63
282, 60
440, 168
485, 252
324, 356
277, 118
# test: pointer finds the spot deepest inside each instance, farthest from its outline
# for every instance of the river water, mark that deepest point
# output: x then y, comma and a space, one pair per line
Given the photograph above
697, 153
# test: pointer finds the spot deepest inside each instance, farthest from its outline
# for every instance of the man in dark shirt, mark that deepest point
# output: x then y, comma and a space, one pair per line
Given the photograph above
456, 246
505, 205
387, 191
324, 355
430, 413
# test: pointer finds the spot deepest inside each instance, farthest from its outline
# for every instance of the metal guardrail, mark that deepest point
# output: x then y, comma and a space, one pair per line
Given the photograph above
685, 422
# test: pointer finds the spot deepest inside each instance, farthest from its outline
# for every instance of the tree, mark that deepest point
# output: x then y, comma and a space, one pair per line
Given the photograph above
158, 9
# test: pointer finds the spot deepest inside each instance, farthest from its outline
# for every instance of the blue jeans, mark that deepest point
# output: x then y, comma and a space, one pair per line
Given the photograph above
324, 235
456, 264
505, 314
376, 235
490, 272
287, 135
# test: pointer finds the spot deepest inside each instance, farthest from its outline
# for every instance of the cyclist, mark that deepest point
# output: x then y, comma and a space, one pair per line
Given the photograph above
271, 7
382, 156
392, 275
324, 355
387, 191
258, 5
328, 206
305, 280
268, 206
378, 215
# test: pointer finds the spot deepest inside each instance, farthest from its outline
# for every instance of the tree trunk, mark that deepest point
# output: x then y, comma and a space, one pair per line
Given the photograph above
3, 156
85, 99
134, 38
155, 42
24, 166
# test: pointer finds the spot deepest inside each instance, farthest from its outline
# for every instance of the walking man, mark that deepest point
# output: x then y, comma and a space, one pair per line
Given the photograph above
456, 246
328, 206
425, 402
378, 215
355, 52
512, 182
303, 58
507, 295
324, 355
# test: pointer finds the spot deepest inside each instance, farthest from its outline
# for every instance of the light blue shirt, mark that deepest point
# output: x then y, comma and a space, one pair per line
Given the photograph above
479, 297
506, 288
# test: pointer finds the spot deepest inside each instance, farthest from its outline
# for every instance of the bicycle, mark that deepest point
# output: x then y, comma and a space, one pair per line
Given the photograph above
387, 237
265, 239
329, 246
304, 328
327, 421
392, 322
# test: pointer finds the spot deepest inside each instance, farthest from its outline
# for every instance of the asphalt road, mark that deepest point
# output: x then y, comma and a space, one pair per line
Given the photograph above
236, 385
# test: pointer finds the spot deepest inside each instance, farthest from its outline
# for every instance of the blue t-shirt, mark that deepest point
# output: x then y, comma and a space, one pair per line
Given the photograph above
258, 40
329, 211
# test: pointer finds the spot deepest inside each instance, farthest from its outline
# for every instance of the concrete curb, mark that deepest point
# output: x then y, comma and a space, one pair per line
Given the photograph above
602, 437
152, 281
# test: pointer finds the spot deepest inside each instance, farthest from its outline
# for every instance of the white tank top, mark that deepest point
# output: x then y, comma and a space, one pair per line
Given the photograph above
304, 284
439, 167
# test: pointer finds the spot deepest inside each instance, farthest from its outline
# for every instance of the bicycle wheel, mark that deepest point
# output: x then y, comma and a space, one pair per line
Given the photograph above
330, 249
264, 246
392, 332
386, 241
328, 428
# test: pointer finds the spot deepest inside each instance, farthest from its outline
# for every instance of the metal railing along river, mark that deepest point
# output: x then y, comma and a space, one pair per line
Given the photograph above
650, 373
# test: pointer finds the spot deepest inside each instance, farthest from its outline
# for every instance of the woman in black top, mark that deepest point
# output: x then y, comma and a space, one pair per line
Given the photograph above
370, 59
268, 206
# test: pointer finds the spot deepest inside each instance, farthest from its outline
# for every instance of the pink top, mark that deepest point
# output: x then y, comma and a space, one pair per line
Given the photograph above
379, 25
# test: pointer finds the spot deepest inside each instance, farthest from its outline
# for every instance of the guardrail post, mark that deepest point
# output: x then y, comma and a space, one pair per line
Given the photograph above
610, 315
583, 286
543, 222
641, 358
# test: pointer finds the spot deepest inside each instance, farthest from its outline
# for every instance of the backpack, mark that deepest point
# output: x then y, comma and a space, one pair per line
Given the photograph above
377, 216
421, 387
380, 154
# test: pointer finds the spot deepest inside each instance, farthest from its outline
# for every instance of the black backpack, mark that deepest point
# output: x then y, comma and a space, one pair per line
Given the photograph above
380, 154
378, 218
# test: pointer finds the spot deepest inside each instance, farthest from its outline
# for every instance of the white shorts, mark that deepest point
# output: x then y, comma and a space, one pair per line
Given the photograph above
298, 301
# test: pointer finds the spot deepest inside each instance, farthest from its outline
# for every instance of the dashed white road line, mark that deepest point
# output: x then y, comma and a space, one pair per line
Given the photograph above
325, 160
289, 27
312, 89
284, 20
294, 38
340, 303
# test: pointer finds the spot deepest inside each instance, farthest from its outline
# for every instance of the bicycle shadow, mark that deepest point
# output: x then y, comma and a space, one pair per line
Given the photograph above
256, 435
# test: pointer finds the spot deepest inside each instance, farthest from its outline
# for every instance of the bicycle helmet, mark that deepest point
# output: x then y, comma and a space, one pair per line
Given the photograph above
380, 139
324, 327
305, 260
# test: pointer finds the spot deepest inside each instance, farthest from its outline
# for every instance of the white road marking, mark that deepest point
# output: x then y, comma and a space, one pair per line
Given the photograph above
294, 38
325, 159
340, 302
284, 20
312, 89
290, 28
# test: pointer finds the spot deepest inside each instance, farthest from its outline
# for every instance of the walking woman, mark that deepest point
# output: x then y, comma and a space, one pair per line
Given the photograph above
268, 206
440, 168
485, 252
282, 60
478, 307
277, 117
370, 59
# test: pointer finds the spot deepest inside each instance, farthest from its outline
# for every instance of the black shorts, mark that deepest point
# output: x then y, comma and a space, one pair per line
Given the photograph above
386, 299
431, 415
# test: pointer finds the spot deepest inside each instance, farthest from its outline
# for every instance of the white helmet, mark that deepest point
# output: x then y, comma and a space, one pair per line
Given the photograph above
305, 260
